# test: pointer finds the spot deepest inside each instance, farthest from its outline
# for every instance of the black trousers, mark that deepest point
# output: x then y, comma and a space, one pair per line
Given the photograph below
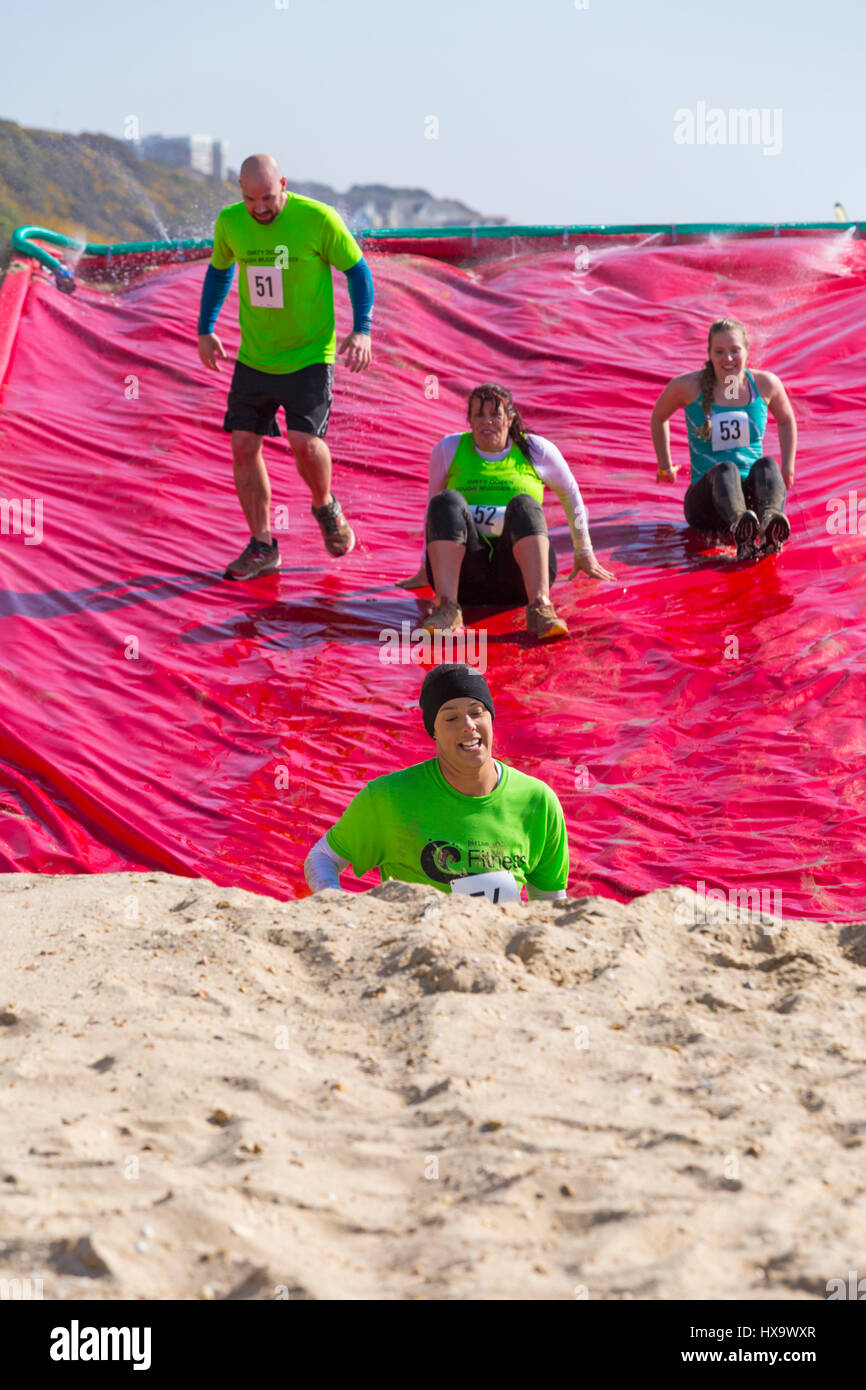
490, 575
721, 496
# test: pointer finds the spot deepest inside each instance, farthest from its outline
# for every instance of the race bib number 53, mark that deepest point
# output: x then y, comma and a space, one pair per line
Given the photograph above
730, 430
266, 286
499, 886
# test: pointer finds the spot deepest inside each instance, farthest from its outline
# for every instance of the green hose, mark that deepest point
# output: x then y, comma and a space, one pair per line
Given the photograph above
64, 279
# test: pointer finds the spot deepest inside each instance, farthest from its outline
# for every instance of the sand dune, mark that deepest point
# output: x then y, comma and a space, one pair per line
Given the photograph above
210, 1094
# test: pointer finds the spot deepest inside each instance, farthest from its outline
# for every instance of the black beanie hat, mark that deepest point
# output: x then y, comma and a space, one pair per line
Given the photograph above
451, 682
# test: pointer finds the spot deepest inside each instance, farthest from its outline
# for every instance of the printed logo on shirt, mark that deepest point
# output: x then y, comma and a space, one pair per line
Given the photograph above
278, 256
494, 857
437, 858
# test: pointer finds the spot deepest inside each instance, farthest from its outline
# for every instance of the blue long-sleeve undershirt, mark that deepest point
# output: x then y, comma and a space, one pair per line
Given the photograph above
360, 284
215, 289
217, 284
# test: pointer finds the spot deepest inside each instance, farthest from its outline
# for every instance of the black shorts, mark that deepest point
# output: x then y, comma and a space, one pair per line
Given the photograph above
305, 396
489, 576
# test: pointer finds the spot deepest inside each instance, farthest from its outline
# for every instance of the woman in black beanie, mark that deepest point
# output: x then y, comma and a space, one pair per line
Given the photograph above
460, 821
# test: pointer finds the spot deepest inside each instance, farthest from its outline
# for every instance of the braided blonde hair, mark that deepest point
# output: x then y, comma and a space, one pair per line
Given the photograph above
708, 374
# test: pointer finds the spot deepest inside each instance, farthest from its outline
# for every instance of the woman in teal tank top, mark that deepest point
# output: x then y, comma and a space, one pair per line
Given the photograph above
735, 489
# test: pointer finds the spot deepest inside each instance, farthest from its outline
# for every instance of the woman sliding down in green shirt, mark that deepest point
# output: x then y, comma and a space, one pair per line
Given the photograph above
486, 536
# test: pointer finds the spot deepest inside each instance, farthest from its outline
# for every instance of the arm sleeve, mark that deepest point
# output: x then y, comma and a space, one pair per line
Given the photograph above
440, 461
214, 293
555, 473
361, 293
322, 867
532, 892
550, 873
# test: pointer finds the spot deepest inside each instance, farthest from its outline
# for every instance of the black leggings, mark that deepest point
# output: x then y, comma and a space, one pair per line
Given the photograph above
490, 575
721, 496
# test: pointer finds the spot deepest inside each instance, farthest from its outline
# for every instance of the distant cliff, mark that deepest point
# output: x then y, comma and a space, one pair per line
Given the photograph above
376, 205
96, 187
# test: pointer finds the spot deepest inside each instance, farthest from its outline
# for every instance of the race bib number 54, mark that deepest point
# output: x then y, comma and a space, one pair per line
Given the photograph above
266, 286
499, 886
730, 430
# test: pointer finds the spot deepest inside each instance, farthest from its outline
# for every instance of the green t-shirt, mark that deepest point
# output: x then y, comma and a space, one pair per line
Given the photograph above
285, 288
494, 481
414, 826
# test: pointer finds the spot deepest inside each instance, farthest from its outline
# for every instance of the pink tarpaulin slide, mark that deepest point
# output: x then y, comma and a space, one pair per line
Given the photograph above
704, 725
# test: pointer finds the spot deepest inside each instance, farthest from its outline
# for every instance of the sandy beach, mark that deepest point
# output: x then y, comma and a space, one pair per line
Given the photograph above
211, 1094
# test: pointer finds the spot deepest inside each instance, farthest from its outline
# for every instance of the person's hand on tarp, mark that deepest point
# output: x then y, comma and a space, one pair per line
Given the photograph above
668, 475
586, 563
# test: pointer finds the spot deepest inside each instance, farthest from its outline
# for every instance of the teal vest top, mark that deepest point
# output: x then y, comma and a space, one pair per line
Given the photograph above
738, 433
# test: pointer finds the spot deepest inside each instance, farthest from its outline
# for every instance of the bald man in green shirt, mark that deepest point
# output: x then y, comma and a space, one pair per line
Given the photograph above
285, 246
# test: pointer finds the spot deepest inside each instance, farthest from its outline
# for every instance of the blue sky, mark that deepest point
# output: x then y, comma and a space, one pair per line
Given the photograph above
546, 112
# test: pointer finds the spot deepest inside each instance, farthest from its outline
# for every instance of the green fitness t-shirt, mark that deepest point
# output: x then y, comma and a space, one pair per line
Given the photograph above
489, 484
414, 826
285, 287
491, 480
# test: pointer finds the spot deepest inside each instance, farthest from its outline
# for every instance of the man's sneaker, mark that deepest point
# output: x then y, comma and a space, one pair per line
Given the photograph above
542, 620
744, 533
775, 530
336, 532
446, 617
258, 558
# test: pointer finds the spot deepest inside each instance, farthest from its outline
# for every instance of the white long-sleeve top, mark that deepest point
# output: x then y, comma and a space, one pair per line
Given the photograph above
550, 466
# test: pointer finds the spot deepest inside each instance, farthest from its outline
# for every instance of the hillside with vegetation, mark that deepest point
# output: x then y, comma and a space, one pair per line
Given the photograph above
95, 187
99, 188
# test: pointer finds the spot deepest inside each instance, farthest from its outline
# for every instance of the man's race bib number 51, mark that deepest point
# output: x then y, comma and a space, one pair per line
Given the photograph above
489, 520
499, 886
266, 286
731, 430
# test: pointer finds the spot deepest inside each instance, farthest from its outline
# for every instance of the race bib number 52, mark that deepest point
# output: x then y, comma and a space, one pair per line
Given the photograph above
489, 520
266, 286
730, 430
